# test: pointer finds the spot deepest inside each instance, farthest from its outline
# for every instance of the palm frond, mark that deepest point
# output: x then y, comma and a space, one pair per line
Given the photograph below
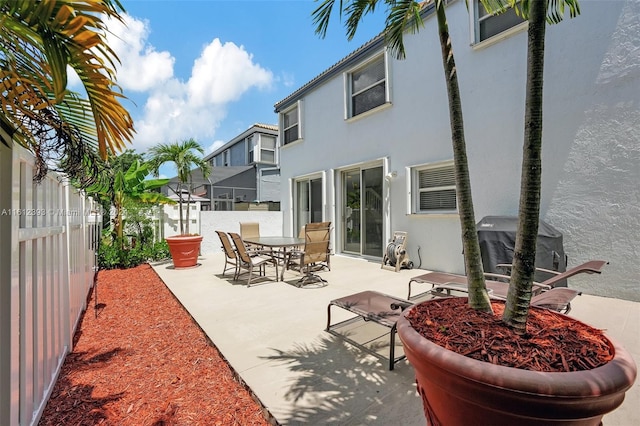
555, 8
38, 40
404, 16
355, 11
322, 16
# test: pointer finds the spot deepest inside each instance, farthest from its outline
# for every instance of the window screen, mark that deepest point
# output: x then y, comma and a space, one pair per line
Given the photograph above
437, 189
368, 87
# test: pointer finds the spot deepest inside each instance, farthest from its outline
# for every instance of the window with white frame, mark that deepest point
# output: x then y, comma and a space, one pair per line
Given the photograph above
435, 188
225, 158
267, 149
367, 87
250, 150
487, 25
290, 125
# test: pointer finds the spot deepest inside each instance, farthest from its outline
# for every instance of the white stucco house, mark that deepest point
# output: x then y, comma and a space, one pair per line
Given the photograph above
366, 144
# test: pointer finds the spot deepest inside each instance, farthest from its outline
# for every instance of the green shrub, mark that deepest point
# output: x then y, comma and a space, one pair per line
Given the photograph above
110, 256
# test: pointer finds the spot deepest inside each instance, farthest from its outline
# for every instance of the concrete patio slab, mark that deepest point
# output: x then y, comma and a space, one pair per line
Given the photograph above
273, 335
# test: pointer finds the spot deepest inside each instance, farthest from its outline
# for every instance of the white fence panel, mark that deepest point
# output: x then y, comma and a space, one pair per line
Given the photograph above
52, 270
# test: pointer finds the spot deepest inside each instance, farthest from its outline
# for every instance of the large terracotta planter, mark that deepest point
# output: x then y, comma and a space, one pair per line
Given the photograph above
184, 250
457, 390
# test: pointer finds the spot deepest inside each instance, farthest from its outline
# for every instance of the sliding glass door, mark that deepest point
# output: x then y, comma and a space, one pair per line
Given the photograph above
362, 212
308, 204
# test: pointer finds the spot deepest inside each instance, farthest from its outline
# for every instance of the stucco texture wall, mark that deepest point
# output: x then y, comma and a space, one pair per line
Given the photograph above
597, 199
212, 221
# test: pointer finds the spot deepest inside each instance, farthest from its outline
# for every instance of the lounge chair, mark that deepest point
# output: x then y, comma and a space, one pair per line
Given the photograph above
385, 310
231, 257
257, 259
499, 284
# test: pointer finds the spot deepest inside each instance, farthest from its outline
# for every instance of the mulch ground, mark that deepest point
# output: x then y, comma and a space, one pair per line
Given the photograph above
139, 359
552, 342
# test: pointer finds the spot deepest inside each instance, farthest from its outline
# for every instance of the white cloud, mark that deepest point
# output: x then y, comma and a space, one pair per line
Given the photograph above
223, 72
141, 67
175, 108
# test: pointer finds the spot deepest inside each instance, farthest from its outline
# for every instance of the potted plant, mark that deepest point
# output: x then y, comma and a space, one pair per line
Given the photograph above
458, 390
184, 247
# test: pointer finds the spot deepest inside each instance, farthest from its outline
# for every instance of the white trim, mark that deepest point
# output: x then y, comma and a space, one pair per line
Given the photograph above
347, 81
413, 184
387, 199
331, 208
370, 112
300, 105
281, 128
324, 194
409, 189
291, 182
368, 164
474, 30
501, 36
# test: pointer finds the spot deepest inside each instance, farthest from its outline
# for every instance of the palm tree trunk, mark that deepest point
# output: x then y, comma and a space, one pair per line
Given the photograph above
180, 208
117, 220
188, 206
519, 296
478, 297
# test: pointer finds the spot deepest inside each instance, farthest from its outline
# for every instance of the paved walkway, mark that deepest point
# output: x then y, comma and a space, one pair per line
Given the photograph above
273, 335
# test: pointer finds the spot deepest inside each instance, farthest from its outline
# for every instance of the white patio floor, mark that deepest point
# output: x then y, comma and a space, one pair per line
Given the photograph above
272, 334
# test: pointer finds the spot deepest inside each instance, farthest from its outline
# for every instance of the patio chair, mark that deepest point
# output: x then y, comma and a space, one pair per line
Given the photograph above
499, 284
250, 230
320, 231
230, 256
314, 255
257, 259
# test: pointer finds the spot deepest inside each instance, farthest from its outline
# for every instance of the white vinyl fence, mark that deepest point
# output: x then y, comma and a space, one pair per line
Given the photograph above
47, 235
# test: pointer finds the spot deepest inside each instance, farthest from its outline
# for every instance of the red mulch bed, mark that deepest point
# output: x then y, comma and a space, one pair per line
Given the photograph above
552, 342
142, 360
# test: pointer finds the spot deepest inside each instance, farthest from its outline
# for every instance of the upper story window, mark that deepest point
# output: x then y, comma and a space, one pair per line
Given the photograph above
261, 149
291, 125
486, 25
226, 158
367, 87
251, 144
267, 149
434, 188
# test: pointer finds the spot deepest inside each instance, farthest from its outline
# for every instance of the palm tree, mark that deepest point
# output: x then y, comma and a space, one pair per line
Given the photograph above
403, 16
39, 40
130, 185
184, 156
538, 12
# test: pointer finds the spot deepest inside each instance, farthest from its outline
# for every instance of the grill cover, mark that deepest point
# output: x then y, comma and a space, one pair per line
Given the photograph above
497, 236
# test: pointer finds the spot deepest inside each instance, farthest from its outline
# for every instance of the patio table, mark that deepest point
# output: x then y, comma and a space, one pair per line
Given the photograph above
277, 242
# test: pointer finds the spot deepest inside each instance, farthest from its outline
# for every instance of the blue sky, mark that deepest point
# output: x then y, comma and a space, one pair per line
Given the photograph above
209, 69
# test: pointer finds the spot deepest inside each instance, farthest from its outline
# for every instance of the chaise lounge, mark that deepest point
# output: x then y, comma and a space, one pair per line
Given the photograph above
499, 284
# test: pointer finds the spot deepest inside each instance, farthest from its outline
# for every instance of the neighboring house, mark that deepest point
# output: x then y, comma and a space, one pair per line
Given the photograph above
219, 188
388, 121
245, 170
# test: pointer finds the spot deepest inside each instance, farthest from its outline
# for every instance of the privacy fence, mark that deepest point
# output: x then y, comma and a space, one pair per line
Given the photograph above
48, 234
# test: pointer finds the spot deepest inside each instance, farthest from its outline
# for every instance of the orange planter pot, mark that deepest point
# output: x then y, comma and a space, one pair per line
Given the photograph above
184, 250
460, 391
